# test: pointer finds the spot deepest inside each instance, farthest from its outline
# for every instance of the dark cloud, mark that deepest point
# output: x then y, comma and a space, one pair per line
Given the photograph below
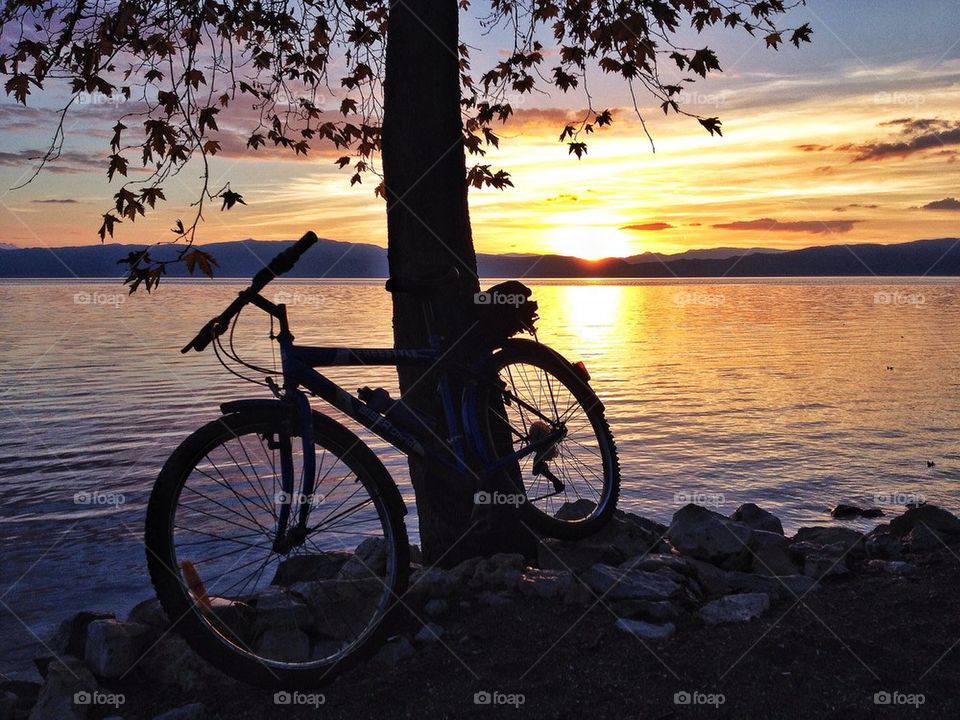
563, 197
844, 208
67, 162
949, 203
916, 135
648, 226
815, 227
56, 201
813, 148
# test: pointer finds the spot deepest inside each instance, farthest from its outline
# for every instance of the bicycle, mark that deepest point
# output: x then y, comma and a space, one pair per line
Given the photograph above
275, 537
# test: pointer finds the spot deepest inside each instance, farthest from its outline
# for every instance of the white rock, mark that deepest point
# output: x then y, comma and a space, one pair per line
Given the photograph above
624, 584
735, 608
645, 630
113, 646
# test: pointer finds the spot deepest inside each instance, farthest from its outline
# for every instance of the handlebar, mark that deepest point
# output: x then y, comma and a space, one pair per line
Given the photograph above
282, 263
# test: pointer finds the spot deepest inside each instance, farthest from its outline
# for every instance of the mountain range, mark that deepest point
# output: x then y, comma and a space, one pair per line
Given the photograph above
331, 258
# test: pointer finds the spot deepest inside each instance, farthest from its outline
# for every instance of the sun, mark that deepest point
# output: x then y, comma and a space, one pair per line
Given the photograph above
591, 242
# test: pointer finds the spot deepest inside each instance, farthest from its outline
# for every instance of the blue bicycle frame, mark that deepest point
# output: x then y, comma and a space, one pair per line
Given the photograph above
299, 365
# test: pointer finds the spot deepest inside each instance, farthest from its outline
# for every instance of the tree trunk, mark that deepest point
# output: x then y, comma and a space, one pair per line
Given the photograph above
428, 226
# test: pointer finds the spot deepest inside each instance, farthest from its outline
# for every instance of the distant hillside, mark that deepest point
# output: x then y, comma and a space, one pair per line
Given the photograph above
330, 258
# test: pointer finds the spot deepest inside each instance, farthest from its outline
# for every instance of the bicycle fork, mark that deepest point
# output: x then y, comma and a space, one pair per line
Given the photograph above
288, 538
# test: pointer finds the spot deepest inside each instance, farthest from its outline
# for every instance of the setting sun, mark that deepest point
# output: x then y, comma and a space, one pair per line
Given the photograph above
591, 242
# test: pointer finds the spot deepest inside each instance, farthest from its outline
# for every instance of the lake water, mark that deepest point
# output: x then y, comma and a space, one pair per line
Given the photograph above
794, 394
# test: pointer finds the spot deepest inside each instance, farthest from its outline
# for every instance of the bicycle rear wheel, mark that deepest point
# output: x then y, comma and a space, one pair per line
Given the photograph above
289, 617
571, 486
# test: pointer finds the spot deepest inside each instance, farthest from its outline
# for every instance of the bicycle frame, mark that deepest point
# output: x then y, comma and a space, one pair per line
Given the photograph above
299, 365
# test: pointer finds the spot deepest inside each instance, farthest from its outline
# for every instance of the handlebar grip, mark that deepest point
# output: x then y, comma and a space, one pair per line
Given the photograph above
283, 262
207, 333
280, 264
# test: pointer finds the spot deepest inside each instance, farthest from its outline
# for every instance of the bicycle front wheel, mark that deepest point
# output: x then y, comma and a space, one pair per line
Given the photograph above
290, 615
571, 485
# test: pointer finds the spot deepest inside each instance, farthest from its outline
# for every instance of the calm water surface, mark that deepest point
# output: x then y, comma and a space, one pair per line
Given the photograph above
793, 394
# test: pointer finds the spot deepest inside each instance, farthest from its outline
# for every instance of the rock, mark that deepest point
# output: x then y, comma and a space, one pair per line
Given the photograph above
149, 613
436, 607
576, 510
464, 571
934, 518
893, 567
502, 570
846, 538
429, 633
757, 518
724, 582
113, 647
545, 583
193, 711
71, 636
68, 679
284, 643
706, 535
430, 583
315, 566
621, 584
631, 535
645, 630
395, 652
846, 512
774, 559
625, 535
820, 566
276, 607
171, 663
368, 561
653, 562
735, 608
922, 539
881, 543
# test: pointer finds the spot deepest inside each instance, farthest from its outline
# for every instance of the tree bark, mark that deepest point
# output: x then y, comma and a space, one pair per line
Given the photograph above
428, 227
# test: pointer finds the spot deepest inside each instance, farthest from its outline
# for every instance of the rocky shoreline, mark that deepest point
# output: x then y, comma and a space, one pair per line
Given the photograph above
658, 584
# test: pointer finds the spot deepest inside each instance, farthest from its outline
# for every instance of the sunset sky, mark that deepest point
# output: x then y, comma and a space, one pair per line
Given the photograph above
854, 138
